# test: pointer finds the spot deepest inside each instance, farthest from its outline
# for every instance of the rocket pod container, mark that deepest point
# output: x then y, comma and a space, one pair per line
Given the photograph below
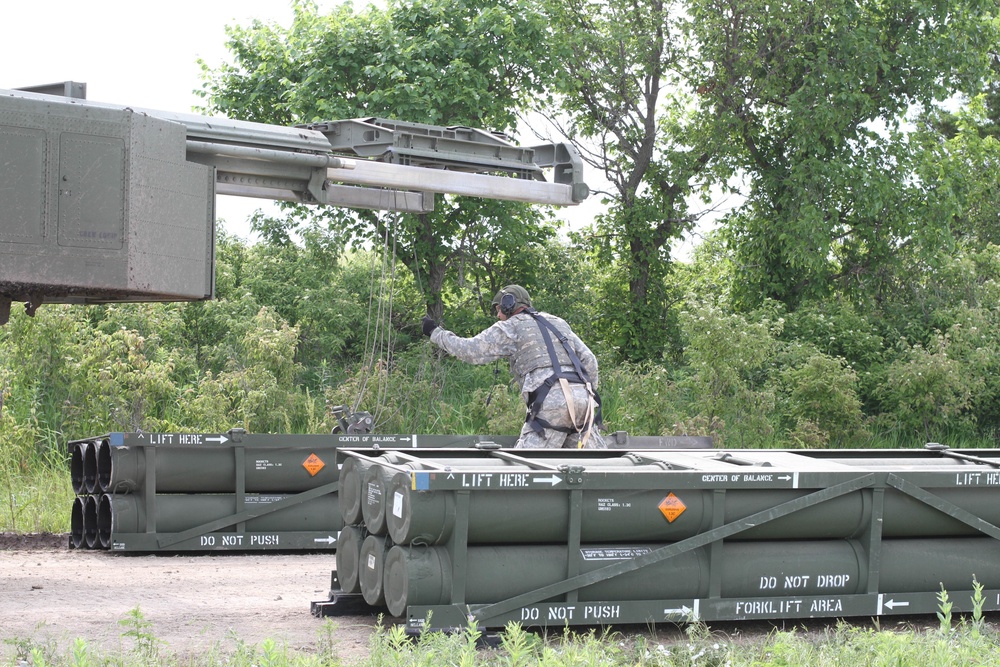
555, 538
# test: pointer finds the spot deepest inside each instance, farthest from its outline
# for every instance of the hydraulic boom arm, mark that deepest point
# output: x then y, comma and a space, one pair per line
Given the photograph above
102, 203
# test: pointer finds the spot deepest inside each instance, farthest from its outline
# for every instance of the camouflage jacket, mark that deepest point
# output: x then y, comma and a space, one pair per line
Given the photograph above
515, 339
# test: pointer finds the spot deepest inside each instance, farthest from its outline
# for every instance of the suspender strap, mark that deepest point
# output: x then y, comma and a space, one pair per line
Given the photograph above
547, 326
577, 376
581, 375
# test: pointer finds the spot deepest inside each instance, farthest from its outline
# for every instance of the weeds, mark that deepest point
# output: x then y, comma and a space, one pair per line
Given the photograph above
81, 656
978, 623
944, 611
140, 631
847, 645
32, 651
326, 642
520, 647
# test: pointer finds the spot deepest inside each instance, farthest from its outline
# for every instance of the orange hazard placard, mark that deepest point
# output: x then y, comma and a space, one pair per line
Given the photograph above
313, 464
672, 507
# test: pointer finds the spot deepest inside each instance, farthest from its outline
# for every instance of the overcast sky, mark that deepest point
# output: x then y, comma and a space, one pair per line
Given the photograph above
145, 55
131, 53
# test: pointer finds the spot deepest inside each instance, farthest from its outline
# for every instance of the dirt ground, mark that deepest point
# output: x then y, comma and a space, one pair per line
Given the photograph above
52, 595
49, 593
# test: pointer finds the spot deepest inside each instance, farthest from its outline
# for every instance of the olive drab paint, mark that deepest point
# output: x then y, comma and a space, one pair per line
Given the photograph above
104, 203
549, 538
163, 492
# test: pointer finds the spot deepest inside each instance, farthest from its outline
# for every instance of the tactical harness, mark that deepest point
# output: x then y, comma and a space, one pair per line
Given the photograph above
564, 378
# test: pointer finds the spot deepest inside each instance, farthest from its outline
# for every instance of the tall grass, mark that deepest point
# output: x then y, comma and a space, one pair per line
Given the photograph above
843, 645
36, 502
421, 393
36, 493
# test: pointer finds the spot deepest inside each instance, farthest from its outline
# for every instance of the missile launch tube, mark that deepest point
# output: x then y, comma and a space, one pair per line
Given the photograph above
179, 512
205, 469
372, 562
104, 521
76, 456
373, 493
90, 473
423, 575
374, 489
103, 458
523, 517
76, 531
349, 558
355, 494
351, 477
90, 522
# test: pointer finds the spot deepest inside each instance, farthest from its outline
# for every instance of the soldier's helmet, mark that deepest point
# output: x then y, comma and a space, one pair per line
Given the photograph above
510, 298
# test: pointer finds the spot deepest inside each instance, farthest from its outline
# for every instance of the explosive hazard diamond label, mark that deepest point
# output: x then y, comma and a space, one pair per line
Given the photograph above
672, 507
313, 464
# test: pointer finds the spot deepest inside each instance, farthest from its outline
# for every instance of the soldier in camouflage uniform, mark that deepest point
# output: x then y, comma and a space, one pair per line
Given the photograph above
563, 406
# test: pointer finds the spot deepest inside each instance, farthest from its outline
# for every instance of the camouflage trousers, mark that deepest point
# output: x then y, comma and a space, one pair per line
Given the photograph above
555, 412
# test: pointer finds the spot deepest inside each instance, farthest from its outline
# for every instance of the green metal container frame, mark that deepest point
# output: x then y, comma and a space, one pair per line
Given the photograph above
821, 474
230, 533
212, 535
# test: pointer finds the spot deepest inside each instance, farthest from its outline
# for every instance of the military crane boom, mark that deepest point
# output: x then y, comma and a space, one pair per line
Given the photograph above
102, 203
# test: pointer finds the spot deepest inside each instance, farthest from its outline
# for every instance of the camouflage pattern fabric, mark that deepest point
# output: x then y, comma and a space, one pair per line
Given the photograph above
516, 336
554, 412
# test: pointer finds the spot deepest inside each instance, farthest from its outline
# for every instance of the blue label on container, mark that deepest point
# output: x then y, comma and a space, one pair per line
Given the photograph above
421, 481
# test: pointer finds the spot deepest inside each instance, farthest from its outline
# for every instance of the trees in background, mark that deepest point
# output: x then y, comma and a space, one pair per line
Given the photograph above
813, 98
853, 299
825, 374
623, 90
470, 62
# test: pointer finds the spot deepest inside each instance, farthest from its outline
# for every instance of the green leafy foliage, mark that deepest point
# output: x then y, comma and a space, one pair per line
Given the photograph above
929, 392
851, 297
427, 61
725, 356
641, 399
822, 391
622, 86
139, 630
813, 96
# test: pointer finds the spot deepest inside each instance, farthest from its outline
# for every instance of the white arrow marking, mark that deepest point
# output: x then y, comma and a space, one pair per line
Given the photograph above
220, 439
892, 604
787, 478
328, 539
451, 475
553, 480
684, 611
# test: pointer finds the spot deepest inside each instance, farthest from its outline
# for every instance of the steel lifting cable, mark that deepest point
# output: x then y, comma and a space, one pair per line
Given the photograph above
372, 338
419, 285
427, 352
379, 343
386, 302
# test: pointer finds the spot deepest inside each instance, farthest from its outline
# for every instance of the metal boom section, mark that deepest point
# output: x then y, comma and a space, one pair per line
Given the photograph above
102, 203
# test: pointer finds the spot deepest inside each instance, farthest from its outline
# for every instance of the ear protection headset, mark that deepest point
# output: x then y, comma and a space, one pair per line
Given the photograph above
507, 303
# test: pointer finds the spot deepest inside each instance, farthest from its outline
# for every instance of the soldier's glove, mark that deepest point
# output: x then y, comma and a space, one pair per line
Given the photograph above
429, 325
